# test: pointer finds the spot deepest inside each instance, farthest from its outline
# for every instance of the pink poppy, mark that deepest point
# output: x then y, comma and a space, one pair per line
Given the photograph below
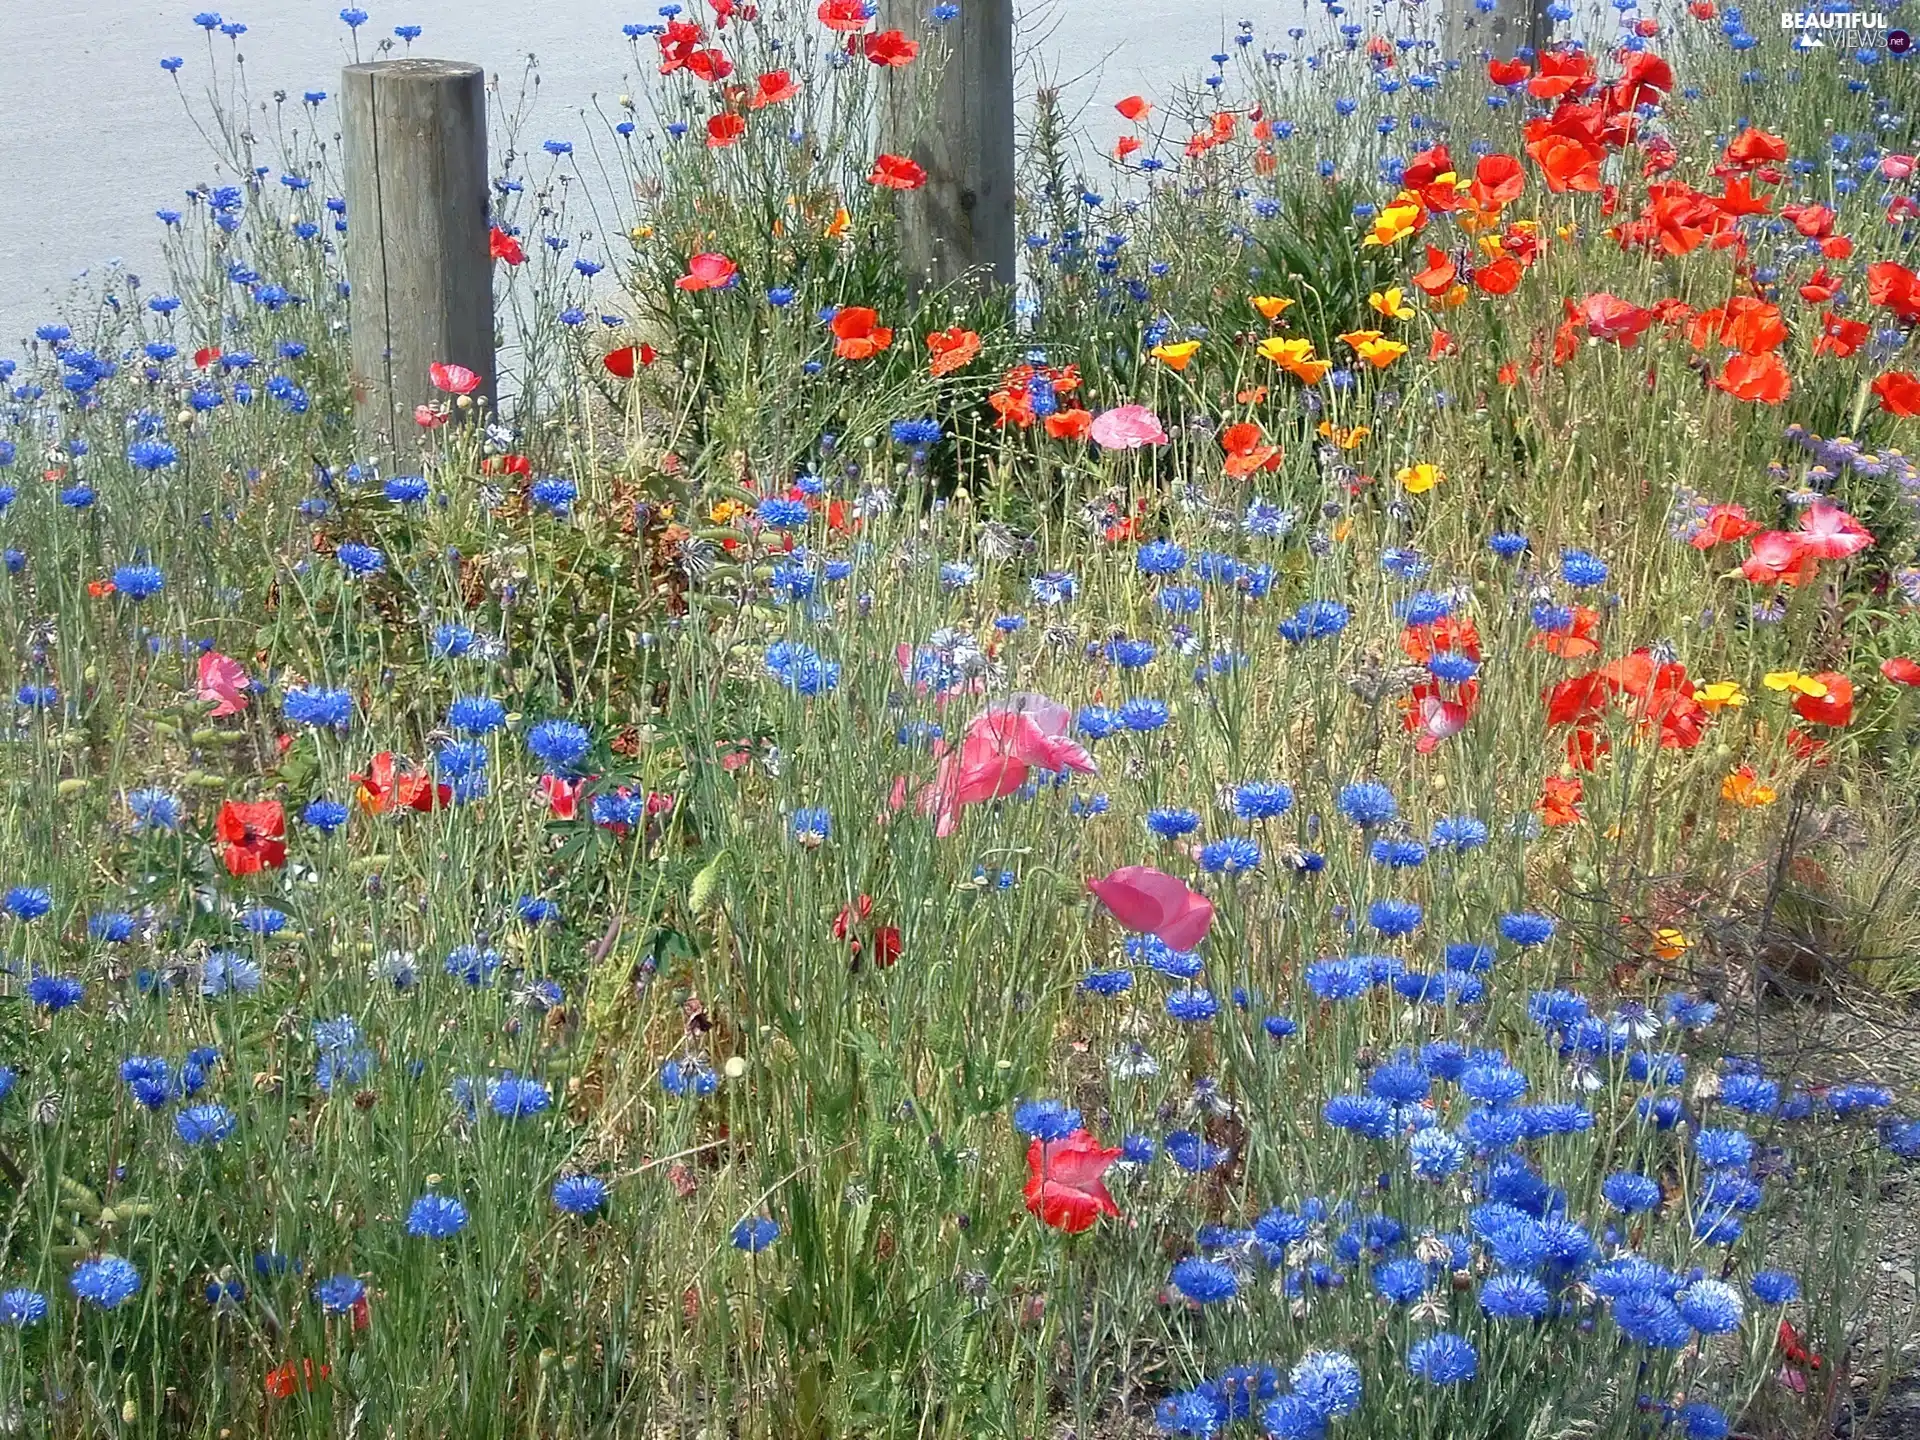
1065, 1184
1153, 902
1003, 745
223, 681
1440, 720
1831, 533
1127, 427
1896, 167
428, 418
708, 271
454, 379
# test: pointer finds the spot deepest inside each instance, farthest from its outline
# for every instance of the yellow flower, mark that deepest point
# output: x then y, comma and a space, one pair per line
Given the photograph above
1343, 437
726, 512
1381, 353
1670, 944
1793, 680
1357, 338
1394, 223
1491, 244
1176, 356
1295, 356
1270, 306
838, 225
1391, 303
1743, 788
1418, 479
1720, 695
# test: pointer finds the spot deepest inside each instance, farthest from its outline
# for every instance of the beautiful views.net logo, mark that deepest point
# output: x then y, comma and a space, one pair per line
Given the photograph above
1810, 26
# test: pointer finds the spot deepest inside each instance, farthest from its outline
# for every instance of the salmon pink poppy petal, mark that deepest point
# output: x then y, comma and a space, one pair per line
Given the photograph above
1831, 533
454, 379
1901, 671
1127, 427
222, 680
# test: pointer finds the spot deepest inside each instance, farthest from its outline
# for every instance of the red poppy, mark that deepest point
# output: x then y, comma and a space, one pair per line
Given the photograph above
453, 379
1899, 392
205, 357
725, 128
1901, 671
1248, 450
1835, 708
503, 246
1560, 801
951, 350
891, 48
1608, 317
1500, 277
1065, 1184
385, 787
1722, 524
1440, 275
1125, 146
1820, 288
1894, 287
1508, 73
627, 361
1562, 72
1498, 180
857, 333
849, 17
1577, 639
506, 465
1760, 378
1449, 635
252, 835
1753, 147
1568, 164
1133, 108
1839, 336
1778, 557
773, 87
708, 272
1070, 424
897, 172
562, 796
285, 1381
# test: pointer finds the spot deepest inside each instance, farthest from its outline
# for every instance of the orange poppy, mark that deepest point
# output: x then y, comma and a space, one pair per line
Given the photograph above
897, 172
1560, 800
1070, 424
1840, 337
1577, 640
951, 350
1498, 278
1247, 450
1721, 525
386, 787
891, 48
1440, 274
774, 87
1743, 787
1754, 147
1133, 108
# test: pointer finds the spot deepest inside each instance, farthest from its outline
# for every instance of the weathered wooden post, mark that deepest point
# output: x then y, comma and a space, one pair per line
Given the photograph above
961, 220
1511, 25
418, 257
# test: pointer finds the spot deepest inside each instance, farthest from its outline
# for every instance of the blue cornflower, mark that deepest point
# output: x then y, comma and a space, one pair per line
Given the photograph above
21, 1307
1400, 1081
1045, 1119
1704, 1421
359, 560
1493, 1083
338, 1294
1228, 855
1205, 1282
1728, 1149
263, 920
812, 826
755, 1234
1315, 620
1507, 544
1582, 570
1398, 854
228, 972
436, 1217
560, 745
1434, 1154
1328, 1381
1402, 1281
154, 810
1160, 557
1629, 1192
406, 489
113, 927
1262, 800
1338, 979
554, 493
1129, 654
1527, 929
325, 815
1506, 1296
1711, 1306
1394, 917
579, 1194
801, 668
1459, 833
1107, 982
1171, 824
1650, 1318
108, 1282
916, 432
1200, 1411
1366, 1115
1187, 1150
451, 641
1192, 1006
26, 902
54, 993
204, 1124
1143, 715
692, 1077
1443, 1359
472, 964
476, 714
333, 708
139, 582
1774, 1287
515, 1097
778, 512
149, 455
1367, 803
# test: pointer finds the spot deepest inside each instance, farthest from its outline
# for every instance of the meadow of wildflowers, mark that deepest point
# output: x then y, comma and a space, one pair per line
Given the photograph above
1216, 845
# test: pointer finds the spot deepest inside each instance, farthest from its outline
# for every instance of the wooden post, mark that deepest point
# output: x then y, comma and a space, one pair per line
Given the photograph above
418, 257
961, 220
1513, 24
